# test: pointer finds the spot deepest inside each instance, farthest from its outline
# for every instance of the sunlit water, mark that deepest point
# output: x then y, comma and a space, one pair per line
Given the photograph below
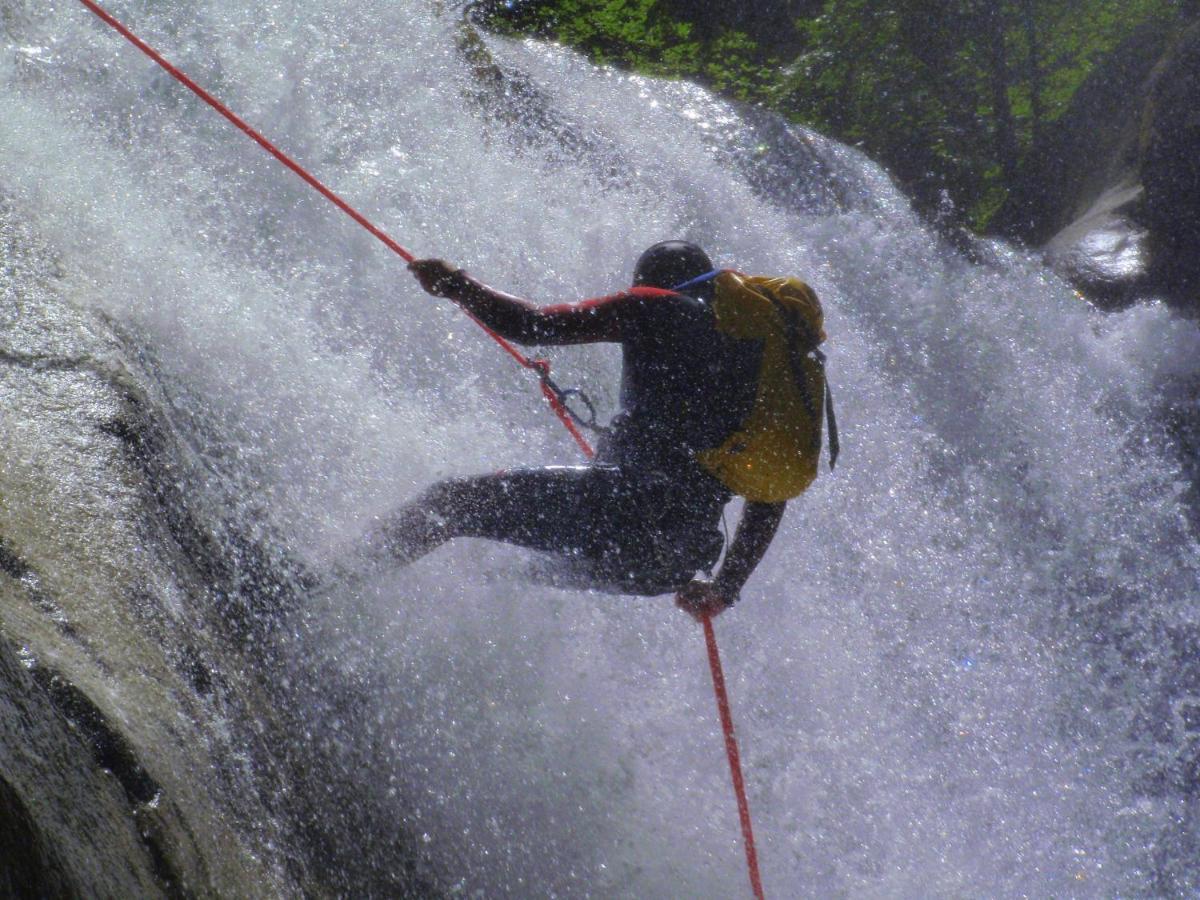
962, 669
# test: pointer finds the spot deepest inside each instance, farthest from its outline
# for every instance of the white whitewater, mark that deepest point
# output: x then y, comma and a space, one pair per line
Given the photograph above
961, 669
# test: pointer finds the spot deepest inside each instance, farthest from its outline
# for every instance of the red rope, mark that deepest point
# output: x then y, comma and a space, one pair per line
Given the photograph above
241, 124
541, 367
731, 750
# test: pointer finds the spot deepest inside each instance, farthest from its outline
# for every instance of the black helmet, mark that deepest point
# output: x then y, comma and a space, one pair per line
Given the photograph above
670, 264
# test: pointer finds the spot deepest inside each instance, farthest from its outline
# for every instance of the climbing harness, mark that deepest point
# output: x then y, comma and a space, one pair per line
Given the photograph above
564, 395
558, 398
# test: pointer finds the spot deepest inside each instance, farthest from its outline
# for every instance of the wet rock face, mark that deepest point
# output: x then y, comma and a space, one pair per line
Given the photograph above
104, 738
151, 698
29, 868
1105, 252
1090, 149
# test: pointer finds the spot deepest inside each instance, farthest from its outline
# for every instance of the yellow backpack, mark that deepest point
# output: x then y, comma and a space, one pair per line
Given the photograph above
773, 455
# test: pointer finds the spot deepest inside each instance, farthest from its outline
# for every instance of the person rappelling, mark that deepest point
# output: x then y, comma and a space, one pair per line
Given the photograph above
723, 392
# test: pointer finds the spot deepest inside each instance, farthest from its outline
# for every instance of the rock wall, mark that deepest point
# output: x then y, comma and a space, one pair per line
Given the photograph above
155, 722
111, 779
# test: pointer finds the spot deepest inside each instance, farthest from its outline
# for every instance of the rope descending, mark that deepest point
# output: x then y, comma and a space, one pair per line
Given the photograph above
555, 396
541, 367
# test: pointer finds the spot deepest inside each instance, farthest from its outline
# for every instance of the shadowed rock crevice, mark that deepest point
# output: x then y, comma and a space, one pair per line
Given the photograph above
110, 749
30, 868
67, 826
10, 563
113, 754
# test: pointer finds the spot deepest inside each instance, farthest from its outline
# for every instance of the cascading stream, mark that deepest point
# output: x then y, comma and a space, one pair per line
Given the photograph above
966, 666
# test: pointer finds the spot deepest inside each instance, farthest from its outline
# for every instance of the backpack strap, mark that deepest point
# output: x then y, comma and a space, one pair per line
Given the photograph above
835, 445
802, 342
699, 279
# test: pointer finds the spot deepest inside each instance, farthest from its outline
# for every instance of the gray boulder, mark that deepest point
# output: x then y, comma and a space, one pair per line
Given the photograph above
163, 707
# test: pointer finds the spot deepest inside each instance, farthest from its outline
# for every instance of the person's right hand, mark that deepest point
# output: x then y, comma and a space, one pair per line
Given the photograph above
703, 599
437, 277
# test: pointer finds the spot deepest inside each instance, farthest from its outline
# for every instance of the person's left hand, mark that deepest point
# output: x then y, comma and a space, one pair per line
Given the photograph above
703, 599
437, 277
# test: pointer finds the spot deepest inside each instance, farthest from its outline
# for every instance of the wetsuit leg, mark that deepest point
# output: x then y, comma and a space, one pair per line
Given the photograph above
628, 531
536, 508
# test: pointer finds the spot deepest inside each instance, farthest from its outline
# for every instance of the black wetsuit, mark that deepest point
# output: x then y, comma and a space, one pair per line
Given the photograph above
643, 516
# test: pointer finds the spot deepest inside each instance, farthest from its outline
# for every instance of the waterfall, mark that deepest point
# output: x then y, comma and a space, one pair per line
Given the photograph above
967, 665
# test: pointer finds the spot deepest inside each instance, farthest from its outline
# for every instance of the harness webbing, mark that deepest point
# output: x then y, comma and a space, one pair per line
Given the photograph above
553, 394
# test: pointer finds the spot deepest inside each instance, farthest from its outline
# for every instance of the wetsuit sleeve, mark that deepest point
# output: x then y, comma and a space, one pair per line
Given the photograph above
602, 319
754, 534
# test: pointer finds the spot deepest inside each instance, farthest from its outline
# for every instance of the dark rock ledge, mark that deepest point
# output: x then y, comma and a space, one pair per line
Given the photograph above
150, 695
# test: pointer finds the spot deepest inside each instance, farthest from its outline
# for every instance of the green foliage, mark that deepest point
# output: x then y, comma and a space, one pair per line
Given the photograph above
951, 95
646, 36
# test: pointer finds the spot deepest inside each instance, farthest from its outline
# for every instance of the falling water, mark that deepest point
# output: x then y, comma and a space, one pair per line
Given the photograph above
968, 664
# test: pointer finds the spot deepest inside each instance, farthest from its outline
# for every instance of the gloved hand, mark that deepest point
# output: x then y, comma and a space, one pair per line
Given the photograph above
438, 277
701, 599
